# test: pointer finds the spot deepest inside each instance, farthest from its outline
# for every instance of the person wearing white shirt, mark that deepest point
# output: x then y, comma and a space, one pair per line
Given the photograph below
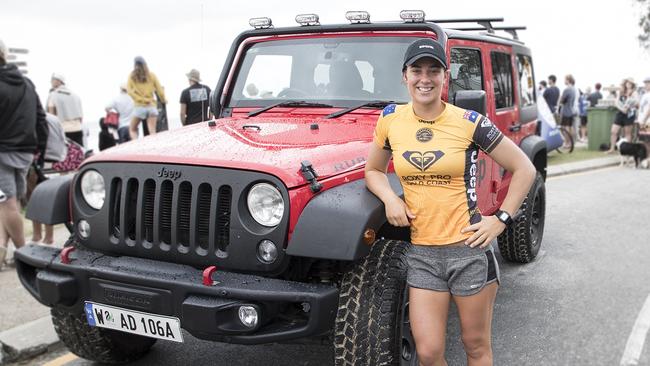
123, 105
643, 117
66, 105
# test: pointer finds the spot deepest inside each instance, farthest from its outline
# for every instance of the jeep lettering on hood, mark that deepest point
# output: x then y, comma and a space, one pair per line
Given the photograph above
276, 146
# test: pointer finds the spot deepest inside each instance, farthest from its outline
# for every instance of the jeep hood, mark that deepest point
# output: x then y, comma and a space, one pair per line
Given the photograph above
275, 146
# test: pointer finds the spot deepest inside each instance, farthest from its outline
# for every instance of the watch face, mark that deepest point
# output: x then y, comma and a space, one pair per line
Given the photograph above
504, 217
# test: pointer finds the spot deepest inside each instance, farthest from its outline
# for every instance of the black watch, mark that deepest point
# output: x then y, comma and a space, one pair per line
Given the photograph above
504, 217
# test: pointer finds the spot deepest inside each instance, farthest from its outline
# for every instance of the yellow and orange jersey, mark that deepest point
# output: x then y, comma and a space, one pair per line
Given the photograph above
436, 163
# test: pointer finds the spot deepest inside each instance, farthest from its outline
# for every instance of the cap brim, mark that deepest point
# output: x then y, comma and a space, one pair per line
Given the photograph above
415, 58
190, 77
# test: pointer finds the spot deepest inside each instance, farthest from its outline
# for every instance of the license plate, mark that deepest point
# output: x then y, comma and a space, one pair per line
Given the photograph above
136, 322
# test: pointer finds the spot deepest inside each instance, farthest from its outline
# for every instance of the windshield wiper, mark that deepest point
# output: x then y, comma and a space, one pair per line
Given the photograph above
374, 103
288, 103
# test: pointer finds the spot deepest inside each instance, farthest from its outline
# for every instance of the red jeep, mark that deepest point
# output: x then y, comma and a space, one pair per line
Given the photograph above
257, 226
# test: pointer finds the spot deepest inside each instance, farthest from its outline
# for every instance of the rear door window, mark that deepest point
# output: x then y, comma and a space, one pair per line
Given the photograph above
504, 96
465, 70
526, 81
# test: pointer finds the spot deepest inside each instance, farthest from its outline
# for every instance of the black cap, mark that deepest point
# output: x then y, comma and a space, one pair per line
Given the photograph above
425, 47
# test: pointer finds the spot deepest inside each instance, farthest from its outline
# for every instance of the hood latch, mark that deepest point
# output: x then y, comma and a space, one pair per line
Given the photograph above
310, 175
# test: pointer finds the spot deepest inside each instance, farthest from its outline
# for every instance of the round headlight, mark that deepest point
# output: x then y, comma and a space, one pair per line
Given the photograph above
93, 189
265, 204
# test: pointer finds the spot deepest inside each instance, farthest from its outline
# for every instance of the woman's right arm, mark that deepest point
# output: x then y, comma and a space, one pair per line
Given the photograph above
397, 212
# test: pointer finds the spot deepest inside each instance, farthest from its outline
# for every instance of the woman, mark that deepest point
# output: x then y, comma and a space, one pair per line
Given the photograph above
435, 144
141, 87
626, 103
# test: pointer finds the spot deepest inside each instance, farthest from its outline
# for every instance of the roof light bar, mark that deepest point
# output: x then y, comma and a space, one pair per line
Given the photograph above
357, 17
307, 19
261, 23
412, 16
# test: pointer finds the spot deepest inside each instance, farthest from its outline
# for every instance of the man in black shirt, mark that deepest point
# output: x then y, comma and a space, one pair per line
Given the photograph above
552, 94
195, 100
23, 132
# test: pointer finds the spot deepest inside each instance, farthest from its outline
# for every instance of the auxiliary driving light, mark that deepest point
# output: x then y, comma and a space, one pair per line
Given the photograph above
83, 228
307, 19
261, 23
412, 16
248, 316
357, 17
267, 251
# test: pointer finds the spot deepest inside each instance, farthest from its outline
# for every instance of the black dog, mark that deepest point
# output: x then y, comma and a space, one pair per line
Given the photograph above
635, 150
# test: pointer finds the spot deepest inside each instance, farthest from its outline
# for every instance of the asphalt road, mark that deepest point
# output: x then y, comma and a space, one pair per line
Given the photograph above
576, 304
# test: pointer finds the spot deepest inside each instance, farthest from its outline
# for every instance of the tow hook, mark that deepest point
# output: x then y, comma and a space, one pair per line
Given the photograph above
310, 175
65, 254
207, 276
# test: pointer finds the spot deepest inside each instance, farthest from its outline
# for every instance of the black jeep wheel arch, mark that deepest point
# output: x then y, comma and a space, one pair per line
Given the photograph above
535, 148
50, 202
332, 224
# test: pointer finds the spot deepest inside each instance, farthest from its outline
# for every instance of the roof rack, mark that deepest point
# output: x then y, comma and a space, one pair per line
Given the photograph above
485, 23
510, 30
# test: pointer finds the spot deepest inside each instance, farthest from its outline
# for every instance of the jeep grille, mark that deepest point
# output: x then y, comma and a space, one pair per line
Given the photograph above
194, 215
173, 228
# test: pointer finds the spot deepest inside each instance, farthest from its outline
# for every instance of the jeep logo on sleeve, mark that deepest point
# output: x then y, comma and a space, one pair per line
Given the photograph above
169, 173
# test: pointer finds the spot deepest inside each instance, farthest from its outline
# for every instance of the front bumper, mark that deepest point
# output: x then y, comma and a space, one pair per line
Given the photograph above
289, 310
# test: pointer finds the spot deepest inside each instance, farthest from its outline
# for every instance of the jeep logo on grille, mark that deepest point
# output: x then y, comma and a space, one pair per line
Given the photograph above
169, 173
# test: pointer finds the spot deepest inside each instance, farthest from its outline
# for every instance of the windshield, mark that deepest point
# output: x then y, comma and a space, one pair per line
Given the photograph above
341, 71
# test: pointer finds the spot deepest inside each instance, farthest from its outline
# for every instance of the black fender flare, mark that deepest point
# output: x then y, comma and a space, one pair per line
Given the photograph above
534, 147
332, 224
49, 203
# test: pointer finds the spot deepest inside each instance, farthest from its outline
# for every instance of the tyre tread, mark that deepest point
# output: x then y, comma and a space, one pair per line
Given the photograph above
515, 242
366, 324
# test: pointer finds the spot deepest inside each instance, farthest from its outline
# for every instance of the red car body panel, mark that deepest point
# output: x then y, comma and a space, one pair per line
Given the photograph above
274, 144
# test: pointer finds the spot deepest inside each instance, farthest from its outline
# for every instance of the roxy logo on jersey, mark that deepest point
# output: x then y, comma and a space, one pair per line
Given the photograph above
422, 160
485, 123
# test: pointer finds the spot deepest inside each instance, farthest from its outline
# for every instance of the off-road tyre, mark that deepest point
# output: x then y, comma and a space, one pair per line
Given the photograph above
520, 242
97, 344
371, 300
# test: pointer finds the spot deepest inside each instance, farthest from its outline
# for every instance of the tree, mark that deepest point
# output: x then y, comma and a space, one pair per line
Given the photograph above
644, 23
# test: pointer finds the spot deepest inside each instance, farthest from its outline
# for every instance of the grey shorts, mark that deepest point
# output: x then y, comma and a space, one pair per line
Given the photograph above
12, 181
458, 269
144, 112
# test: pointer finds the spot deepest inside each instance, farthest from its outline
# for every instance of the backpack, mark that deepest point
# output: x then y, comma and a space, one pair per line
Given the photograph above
56, 147
112, 119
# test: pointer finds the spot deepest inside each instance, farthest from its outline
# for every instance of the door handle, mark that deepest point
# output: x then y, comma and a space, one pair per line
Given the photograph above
515, 127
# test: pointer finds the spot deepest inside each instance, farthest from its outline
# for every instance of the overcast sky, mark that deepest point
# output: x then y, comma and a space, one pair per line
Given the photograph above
93, 42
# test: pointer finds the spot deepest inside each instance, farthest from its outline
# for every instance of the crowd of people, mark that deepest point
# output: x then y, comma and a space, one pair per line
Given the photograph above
570, 107
32, 136
142, 98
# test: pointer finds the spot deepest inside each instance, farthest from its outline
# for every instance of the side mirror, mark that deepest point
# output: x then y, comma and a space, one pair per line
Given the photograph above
471, 99
215, 106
